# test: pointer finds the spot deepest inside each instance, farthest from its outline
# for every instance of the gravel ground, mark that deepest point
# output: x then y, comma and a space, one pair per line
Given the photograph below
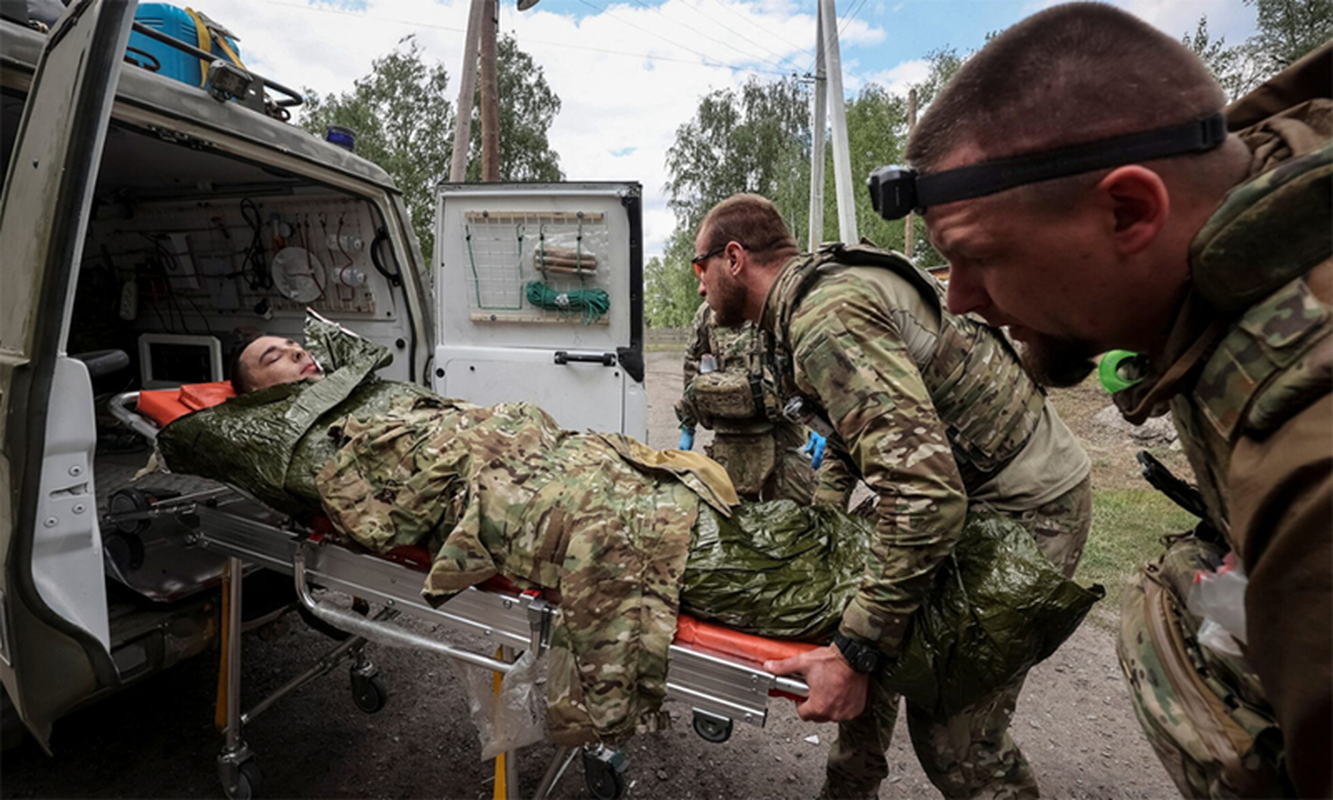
157, 740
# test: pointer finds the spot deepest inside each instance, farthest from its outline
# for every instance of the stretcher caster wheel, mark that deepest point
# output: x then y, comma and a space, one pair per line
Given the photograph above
604, 772
246, 783
712, 728
368, 691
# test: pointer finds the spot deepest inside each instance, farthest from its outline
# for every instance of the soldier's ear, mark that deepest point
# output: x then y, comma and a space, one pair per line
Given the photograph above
1140, 204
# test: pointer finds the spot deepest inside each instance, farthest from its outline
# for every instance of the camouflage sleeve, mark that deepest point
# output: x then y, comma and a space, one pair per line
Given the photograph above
698, 345
848, 353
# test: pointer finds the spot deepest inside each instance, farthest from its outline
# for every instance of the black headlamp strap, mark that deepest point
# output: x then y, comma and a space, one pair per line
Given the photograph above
979, 180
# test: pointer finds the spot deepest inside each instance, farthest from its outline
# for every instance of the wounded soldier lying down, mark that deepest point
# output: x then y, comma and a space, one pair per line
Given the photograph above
626, 535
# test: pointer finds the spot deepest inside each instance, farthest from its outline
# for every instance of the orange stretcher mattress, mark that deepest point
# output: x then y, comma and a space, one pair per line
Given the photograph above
165, 405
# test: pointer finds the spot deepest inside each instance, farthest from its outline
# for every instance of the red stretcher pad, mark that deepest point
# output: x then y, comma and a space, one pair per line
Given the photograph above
165, 405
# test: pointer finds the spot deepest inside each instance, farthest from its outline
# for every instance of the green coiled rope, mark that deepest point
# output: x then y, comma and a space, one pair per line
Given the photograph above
594, 303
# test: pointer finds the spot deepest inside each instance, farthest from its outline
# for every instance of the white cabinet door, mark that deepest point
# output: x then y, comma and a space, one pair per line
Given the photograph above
539, 291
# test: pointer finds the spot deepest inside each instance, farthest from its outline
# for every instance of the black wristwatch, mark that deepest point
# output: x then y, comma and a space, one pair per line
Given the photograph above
861, 656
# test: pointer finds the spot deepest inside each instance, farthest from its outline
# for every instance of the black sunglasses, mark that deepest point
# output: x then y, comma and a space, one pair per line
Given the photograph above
699, 260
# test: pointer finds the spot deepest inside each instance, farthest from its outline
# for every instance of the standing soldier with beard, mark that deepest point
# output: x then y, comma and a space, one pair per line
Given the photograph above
936, 415
763, 456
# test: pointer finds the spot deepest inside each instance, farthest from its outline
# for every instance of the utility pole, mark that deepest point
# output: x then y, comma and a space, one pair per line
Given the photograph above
817, 145
467, 94
911, 216
842, 164
490, 106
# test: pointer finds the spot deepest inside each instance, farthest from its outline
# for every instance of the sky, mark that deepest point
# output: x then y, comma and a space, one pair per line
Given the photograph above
629, 72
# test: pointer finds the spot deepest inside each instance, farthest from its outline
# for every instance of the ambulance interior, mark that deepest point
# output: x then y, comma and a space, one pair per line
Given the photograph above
186, 250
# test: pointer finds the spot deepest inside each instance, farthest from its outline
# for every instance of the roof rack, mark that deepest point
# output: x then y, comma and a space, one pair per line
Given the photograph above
236, 80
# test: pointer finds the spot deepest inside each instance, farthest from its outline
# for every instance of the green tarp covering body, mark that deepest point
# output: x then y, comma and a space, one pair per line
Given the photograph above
996, 607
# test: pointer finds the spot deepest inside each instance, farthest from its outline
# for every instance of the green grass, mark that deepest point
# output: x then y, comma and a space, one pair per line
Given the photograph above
1127, 529
663, 348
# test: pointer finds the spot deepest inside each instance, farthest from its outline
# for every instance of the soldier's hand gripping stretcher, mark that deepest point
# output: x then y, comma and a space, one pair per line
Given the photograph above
626, 535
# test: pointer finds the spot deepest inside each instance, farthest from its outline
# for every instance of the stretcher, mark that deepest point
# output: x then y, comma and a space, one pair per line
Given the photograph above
715, 671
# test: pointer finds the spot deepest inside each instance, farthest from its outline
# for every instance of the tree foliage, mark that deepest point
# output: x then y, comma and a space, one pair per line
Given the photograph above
754, 139
1288, 29
403, 115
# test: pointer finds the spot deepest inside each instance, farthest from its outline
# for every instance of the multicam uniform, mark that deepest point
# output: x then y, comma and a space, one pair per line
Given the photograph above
1247, 374
935, 413
762, 455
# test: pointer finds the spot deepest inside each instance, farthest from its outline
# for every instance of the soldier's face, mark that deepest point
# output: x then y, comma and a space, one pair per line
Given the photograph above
271, 360
725, 295
1025, 277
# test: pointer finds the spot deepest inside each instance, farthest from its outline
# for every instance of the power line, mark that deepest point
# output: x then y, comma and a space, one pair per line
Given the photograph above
781, 58
737, 15
707, 61
670, 41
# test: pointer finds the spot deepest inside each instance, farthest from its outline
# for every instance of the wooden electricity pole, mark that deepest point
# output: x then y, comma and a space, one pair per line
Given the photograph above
467, 93
911, 218
490, 107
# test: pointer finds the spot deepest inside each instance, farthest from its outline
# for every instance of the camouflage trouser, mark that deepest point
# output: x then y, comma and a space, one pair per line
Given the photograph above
969, 754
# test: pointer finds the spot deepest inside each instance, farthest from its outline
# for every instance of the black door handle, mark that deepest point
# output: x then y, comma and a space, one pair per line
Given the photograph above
565, 357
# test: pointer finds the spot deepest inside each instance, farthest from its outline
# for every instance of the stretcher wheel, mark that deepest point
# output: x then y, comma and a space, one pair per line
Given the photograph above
249, 782
711, 728
368, 692
603, 772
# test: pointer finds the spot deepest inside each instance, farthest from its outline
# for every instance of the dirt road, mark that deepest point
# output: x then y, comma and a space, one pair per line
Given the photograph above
157, 740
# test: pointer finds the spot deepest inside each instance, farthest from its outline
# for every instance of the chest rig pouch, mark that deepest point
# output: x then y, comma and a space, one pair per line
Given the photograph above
988, 404
1203, 711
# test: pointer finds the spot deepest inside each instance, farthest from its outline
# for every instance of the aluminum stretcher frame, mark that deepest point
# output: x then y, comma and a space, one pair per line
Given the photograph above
719, 688
719, 685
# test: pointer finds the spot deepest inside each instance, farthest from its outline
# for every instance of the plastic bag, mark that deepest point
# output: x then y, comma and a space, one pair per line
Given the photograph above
1218, 598
516, 716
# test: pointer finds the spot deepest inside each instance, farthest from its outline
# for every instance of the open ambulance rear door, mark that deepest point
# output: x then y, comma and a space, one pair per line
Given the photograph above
540, 295
54, 631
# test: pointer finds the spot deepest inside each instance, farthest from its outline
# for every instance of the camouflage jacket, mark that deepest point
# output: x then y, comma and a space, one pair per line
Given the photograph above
1247, 372
925, 405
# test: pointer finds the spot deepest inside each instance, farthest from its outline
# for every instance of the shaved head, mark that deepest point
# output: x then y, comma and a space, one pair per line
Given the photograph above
1070, 74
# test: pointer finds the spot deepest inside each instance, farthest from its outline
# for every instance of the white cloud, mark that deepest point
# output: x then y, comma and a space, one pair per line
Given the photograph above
627, 75
897, 80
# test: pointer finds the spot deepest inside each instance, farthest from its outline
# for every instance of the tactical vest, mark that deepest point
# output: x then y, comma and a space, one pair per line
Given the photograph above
1275, 359
986, 401
1203, 712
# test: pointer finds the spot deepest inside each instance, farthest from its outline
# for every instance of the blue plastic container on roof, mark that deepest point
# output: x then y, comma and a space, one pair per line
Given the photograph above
177, 23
